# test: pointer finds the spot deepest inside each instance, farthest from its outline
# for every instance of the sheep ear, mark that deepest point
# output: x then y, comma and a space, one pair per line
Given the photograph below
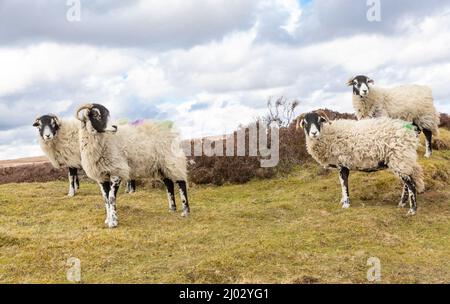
370, 81
36, 123
350, 81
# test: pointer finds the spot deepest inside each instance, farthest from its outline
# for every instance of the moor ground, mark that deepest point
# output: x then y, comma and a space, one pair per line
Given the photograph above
288, 229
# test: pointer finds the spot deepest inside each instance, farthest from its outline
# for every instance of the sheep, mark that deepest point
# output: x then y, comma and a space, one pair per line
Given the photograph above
59, 140
412, 103
109, 154
366, 145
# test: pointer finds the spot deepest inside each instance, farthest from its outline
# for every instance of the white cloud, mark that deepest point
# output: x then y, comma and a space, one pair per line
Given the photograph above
213, 86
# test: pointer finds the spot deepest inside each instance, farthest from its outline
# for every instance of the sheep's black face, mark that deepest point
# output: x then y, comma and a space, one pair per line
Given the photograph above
100, 120
48, 126
360, 85
312, 124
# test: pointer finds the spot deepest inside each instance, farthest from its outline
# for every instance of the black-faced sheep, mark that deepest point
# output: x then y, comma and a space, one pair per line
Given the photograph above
59, 140
109, 154
367, 145
411, 103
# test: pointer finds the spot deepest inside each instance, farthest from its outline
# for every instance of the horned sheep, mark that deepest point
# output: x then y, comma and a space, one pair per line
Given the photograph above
109, 155
59, 140
367, 145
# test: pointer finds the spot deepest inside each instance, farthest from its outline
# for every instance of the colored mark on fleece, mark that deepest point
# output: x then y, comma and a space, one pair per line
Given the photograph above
409, 126
137, 122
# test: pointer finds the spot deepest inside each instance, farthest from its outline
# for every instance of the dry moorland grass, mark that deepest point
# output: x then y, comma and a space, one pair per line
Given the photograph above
284, 230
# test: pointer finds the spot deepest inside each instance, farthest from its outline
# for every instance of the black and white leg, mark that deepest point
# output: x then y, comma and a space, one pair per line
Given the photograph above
428, 142
105, 187
170, 194
73, 181
412, 194
343, 177
405, 197
112, 220
184, 197
131, 186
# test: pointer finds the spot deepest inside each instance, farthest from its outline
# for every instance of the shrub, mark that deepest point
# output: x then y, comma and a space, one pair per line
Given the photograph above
445, 121
240, 169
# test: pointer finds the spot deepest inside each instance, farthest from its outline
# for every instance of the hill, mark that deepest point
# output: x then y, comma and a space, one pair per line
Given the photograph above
287, 229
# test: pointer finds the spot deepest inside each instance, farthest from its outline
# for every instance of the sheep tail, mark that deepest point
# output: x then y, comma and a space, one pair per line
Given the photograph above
417, 176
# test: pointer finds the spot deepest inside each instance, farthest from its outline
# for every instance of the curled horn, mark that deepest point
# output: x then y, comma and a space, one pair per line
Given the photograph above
298, 120
36, 122
350, 81
55, 118
87, 106
323, 114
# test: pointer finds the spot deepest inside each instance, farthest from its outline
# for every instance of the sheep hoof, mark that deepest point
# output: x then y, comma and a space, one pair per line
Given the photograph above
172, 210
185, 213
401, 205
411, 212
345, 205
427, 155
71, 193
112, 223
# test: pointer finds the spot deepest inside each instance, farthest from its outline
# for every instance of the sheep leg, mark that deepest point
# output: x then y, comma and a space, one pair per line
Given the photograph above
131, 186
170, 194
127, 187
73, 178
343, 177
184, 197
105, 187
112, 216
405, 196
409, 182
428, 142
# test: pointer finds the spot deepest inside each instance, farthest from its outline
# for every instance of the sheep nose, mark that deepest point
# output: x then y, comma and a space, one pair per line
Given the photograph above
364, 91
47, 135
114, 127
313, 133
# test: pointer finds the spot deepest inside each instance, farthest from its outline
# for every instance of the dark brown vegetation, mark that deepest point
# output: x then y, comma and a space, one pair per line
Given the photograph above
216, 170
240, 169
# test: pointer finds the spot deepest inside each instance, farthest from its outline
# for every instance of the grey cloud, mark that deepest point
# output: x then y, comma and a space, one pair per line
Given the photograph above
116, 24
331, 19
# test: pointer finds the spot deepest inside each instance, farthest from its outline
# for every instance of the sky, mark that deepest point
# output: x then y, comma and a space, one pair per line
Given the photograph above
208, 65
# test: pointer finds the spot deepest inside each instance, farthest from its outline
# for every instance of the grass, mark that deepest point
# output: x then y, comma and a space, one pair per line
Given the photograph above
284, 230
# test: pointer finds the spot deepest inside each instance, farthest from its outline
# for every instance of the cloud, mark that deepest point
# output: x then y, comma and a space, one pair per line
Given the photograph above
140, 23
219, 75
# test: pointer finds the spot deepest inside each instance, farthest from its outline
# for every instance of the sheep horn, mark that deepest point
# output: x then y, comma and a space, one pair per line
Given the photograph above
298, 120
350, 81
36, 121
323, 114
55, 118
87, 106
